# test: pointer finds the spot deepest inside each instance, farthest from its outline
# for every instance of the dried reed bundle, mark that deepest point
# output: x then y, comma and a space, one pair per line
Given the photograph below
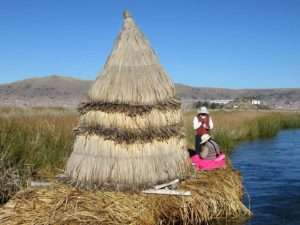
129, 109
99, 163
155, 118
215, 195
130, 134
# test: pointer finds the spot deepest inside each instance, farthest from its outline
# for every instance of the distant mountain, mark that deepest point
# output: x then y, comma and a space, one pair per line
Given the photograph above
286, 98
46, 91
69, 92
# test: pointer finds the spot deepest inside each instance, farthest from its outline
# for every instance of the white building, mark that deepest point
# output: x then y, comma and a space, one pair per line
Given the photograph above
255, 102
221, 101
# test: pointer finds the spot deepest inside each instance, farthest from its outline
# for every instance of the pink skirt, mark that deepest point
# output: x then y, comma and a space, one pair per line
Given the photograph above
205, 164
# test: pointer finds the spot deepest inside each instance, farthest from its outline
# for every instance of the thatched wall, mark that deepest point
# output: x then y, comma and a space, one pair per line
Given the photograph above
99, 163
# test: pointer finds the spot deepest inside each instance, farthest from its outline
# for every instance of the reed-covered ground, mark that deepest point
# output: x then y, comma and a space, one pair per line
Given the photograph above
216, 195
37, 142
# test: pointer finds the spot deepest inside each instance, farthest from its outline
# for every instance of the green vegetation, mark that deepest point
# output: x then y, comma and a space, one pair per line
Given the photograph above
37, 142
34, 143
234, 127
40, 141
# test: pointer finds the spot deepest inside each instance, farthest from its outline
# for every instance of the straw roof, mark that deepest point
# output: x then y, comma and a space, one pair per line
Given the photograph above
132, 73
130, 134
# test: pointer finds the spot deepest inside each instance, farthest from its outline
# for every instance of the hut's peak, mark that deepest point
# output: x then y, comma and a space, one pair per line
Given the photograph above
132, 73
128, 22
126, 14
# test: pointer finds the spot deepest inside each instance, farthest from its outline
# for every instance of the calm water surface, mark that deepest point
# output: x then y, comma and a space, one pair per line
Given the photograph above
271, 172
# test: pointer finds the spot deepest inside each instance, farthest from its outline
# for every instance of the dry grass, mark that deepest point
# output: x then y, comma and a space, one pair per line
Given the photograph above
214, 195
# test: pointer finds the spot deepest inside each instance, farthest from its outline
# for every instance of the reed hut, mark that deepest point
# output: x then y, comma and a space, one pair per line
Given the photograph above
130, 134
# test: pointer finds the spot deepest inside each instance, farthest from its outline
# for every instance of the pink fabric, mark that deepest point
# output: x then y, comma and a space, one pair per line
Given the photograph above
202, 164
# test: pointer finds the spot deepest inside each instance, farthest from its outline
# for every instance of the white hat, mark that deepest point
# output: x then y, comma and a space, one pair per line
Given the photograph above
203, 110
205, 138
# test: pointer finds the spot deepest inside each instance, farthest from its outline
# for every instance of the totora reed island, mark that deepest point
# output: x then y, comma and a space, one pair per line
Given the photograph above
127, 154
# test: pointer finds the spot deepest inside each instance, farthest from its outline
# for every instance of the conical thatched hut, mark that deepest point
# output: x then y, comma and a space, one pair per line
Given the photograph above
130, 134
129, 137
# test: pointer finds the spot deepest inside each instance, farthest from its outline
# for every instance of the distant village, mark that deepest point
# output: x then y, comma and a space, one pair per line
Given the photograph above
242, 103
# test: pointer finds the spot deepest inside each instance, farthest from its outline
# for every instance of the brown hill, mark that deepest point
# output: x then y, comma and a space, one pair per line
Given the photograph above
46, 91
286, 98
68, 92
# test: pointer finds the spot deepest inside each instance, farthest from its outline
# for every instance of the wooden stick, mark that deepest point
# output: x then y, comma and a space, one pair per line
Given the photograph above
167, 192
157, 187
40, 184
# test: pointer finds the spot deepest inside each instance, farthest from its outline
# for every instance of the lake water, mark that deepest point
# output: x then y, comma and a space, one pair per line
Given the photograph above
271, 172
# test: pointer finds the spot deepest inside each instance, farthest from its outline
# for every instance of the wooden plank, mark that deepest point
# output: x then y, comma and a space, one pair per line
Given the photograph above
167, 192
40, 184
156, 187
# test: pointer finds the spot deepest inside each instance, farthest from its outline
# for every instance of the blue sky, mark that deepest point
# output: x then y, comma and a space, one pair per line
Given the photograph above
231, 44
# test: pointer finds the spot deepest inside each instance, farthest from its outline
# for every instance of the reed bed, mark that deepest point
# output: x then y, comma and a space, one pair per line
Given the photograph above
42, 138
41, 141
233, 127
63, 205
35, 144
